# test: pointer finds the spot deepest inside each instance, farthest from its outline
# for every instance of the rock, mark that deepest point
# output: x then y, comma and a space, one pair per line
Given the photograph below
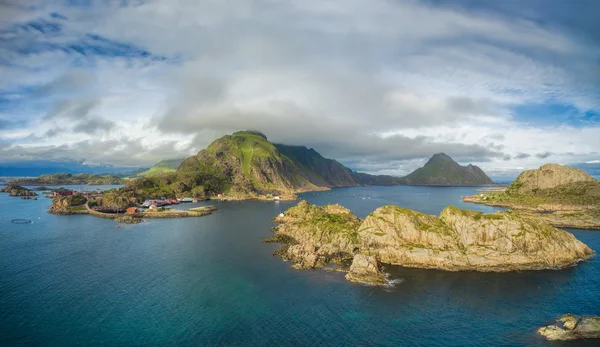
569, 327
366, 269
127, 219
558, 195
16, 190
314, 236
546, 177
457, 240
467, 240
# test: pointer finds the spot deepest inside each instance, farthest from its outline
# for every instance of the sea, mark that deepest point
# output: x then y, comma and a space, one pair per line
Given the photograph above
211, 281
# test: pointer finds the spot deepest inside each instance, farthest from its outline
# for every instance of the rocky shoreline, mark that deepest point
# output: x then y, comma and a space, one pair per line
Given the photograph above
457, 240
559, 216
570, 327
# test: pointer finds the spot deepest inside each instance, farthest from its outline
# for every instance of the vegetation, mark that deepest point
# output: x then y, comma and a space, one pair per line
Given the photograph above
244, 165
163, 166
69, 179
16, 190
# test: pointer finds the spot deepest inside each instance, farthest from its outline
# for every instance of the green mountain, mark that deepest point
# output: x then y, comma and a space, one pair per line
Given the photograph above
441, 170
163, 166
246, 165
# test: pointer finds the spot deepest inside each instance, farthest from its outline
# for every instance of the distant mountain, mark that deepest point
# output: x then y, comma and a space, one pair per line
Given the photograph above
161, 167
35, 168
67, 179
441, 170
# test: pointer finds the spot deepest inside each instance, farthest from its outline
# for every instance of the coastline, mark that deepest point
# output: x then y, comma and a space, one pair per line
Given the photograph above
196, 212
557, 215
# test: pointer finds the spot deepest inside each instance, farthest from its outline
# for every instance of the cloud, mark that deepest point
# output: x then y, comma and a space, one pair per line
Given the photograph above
544, 155
378, 86
93, 126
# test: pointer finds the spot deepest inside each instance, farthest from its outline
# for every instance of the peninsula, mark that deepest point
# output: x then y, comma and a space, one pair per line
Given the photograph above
559, 195
456, 240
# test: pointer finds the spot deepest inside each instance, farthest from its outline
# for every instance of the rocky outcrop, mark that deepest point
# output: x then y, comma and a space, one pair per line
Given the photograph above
126, 219
467, 240
569, 327
64, 205
314, 236
366, 269
16, 190
546, 177
456, 240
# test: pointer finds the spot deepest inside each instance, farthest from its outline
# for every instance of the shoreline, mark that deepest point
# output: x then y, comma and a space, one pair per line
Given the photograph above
559, 216
197, 212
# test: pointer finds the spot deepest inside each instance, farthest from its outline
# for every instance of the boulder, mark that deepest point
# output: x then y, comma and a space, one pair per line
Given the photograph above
366, 269
570, 327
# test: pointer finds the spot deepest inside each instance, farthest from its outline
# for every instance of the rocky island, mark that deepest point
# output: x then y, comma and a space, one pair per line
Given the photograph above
559, 195
16, 190
457, 240
570, 327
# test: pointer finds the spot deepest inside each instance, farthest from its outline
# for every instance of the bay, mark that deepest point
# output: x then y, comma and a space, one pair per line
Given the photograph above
67, 280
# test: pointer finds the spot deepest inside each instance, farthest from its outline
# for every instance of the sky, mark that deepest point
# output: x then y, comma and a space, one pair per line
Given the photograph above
378, 85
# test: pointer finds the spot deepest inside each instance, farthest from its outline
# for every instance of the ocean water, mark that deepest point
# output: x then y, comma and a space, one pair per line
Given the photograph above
210, 281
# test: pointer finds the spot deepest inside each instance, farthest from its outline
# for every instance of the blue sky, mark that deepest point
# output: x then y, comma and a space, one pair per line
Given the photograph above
378, 85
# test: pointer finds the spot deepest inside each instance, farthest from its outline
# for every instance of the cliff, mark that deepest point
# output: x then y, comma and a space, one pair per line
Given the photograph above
457, 240
441, 170
467, 240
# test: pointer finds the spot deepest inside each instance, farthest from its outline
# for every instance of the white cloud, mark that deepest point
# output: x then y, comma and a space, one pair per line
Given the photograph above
341, 76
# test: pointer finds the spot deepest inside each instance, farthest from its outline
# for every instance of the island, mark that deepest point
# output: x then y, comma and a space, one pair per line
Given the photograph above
100, 206
570, 327
68, 179
16, 190
559, 195
456, 240
442, 170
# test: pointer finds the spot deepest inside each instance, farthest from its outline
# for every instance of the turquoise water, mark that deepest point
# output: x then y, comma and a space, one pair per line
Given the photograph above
67, 280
